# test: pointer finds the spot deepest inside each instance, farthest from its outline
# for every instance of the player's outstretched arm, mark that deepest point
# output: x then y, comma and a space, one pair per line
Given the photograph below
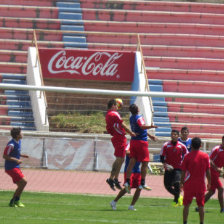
128, 130
24, 156
148, 126
152, 137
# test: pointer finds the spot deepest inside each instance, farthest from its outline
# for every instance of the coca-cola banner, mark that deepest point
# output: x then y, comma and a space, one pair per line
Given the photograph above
87, 64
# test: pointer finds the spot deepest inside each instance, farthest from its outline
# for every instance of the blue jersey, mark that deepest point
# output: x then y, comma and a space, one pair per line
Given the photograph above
187, 143
12, 149
136, 168
135, 122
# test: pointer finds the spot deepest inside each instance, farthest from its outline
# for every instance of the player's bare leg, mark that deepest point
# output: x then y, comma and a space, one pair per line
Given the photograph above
201, 213
136, 196
120, 194
113, 203
208, 195
21, 185
144, 169
113, 179
128, 174
16, 197
116, 167
185, 213
220, 197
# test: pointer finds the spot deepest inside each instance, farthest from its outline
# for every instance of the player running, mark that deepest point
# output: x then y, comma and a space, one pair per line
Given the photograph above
12, 154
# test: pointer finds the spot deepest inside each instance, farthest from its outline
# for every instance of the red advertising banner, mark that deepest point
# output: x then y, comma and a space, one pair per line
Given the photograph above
87, 64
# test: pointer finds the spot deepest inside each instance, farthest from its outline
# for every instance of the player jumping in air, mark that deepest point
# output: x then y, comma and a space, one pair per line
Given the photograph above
138, 146
117, 128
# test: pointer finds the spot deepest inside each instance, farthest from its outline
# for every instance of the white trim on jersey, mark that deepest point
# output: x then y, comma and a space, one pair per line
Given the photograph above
9, 149
117, 128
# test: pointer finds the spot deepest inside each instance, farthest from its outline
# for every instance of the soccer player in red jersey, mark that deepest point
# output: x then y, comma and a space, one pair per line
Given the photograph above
216, 162
194, 168
12, 165
138, 146
171, 155
117, 128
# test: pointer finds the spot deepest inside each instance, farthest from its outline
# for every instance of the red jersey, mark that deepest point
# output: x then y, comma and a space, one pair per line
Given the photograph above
217, 156
114, 123
195, 163
174, 154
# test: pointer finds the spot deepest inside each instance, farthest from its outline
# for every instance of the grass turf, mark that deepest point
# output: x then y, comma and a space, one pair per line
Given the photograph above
44, 208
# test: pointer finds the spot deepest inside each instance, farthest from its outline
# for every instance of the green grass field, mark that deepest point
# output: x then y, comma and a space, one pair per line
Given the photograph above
44, 208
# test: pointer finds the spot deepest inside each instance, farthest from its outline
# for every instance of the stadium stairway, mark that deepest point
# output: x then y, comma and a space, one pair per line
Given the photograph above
15, 107
18, 19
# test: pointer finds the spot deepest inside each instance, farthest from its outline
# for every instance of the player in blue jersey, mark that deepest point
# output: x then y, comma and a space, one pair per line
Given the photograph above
138, 146
12, 154
184, 138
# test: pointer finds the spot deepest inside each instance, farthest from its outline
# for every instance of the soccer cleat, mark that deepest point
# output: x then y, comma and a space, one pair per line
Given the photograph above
19, 204
222, 210
113, 205
117, 184
12, 204
174, 204
111, 184
180, 200
196, 209
131, 207
127, 187
145, 187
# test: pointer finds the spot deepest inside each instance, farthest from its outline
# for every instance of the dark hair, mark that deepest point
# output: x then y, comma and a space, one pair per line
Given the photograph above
133, 109
15, 132
184, 129
175, 131
196, 143
111, 103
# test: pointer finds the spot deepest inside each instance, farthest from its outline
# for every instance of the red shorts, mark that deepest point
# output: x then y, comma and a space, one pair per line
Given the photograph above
16, 174
215, 182
189, 195
139, 150
119, 143
135, 179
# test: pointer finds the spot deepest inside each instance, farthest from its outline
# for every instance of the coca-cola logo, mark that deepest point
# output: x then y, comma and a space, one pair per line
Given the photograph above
98, 63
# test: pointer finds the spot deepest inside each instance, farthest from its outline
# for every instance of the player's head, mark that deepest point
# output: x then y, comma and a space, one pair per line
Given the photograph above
133, 109
16, 133
196, 143
174, 135
184, 132
111, 103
